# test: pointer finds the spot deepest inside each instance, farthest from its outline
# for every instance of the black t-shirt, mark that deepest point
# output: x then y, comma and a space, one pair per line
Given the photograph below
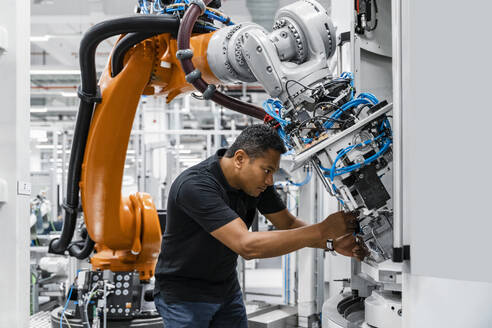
193, 265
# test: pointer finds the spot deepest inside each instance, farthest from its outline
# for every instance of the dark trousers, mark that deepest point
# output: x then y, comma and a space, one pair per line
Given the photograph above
230, 314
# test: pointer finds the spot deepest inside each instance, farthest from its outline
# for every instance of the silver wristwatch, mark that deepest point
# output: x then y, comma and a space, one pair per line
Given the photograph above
329, 245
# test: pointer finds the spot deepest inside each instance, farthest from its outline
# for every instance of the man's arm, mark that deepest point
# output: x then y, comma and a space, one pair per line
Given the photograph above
284, 220
262, 244
347, 245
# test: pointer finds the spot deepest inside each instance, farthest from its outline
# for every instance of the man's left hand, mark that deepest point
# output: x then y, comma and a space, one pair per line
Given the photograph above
350, 245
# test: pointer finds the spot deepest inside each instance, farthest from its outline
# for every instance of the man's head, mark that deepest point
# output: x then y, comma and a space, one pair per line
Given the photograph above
255, 156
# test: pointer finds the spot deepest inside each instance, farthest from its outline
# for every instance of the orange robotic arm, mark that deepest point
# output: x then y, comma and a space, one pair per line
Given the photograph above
126, 228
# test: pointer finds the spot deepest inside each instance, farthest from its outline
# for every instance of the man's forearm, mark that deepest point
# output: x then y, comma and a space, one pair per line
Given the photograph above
297, 224
264, 244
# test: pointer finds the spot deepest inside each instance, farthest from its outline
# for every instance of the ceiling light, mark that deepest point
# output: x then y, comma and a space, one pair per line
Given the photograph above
69, 94
45, 146
40, 38
39, 109
55, 72
39, 135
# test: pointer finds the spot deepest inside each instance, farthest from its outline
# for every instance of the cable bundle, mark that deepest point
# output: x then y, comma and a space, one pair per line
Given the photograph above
179, 7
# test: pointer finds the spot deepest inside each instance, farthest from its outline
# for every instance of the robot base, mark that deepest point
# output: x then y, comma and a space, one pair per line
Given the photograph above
151, 321
380, 310
383, 309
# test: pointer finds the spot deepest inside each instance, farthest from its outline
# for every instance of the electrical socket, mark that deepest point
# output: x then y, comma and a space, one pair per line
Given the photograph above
24, 188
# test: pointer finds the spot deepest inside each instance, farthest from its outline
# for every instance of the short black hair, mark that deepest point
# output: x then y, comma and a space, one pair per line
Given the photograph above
255, 140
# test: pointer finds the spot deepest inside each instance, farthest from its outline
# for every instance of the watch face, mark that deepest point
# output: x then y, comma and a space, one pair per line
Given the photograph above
329, 244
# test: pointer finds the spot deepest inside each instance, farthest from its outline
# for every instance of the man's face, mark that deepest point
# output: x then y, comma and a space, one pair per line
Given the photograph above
257, 174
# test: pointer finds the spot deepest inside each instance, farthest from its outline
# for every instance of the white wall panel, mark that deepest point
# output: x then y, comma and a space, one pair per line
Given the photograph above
14, 166
446, 143
446, 303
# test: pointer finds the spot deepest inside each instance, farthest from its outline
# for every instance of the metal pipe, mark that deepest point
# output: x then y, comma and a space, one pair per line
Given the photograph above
64, 164
322, 178
54, 179
396, 18
190, 132
262, 294
339, 60
105, 312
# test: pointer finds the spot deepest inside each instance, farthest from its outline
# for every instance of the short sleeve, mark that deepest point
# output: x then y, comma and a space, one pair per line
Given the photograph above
203, 201
270, 201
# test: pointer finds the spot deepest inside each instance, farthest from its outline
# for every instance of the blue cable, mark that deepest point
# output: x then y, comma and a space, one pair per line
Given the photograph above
325, 169
208, 27
213, 16
66, 305
209, 13
170, 10
157, 2
269, 106
335, 172
369, 96
347, 75
306, 180
141, 5
144, 7
350, 104
368, 160
216, 17
385, 124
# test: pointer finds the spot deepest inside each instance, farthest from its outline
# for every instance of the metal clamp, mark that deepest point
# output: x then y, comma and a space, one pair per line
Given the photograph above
200, 4
69, 208
193, 76
209, 92
90, 98
184, 54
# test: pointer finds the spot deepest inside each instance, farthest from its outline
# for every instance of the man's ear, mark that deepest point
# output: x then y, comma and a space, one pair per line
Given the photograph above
240, 157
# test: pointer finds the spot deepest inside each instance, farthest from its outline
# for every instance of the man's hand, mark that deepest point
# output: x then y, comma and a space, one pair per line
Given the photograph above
338, 224
350, 245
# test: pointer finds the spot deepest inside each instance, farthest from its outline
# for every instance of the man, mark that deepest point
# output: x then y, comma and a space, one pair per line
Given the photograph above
210, 209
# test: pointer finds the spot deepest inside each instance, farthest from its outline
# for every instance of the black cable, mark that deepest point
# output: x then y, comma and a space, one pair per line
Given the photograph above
288, 92
369, 29
81, 253
298, 128
121, 48
318, 105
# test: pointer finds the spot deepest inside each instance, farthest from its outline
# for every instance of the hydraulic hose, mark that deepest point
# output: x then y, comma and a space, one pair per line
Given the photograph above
121, 48
89, 94
81, 253
184, 36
